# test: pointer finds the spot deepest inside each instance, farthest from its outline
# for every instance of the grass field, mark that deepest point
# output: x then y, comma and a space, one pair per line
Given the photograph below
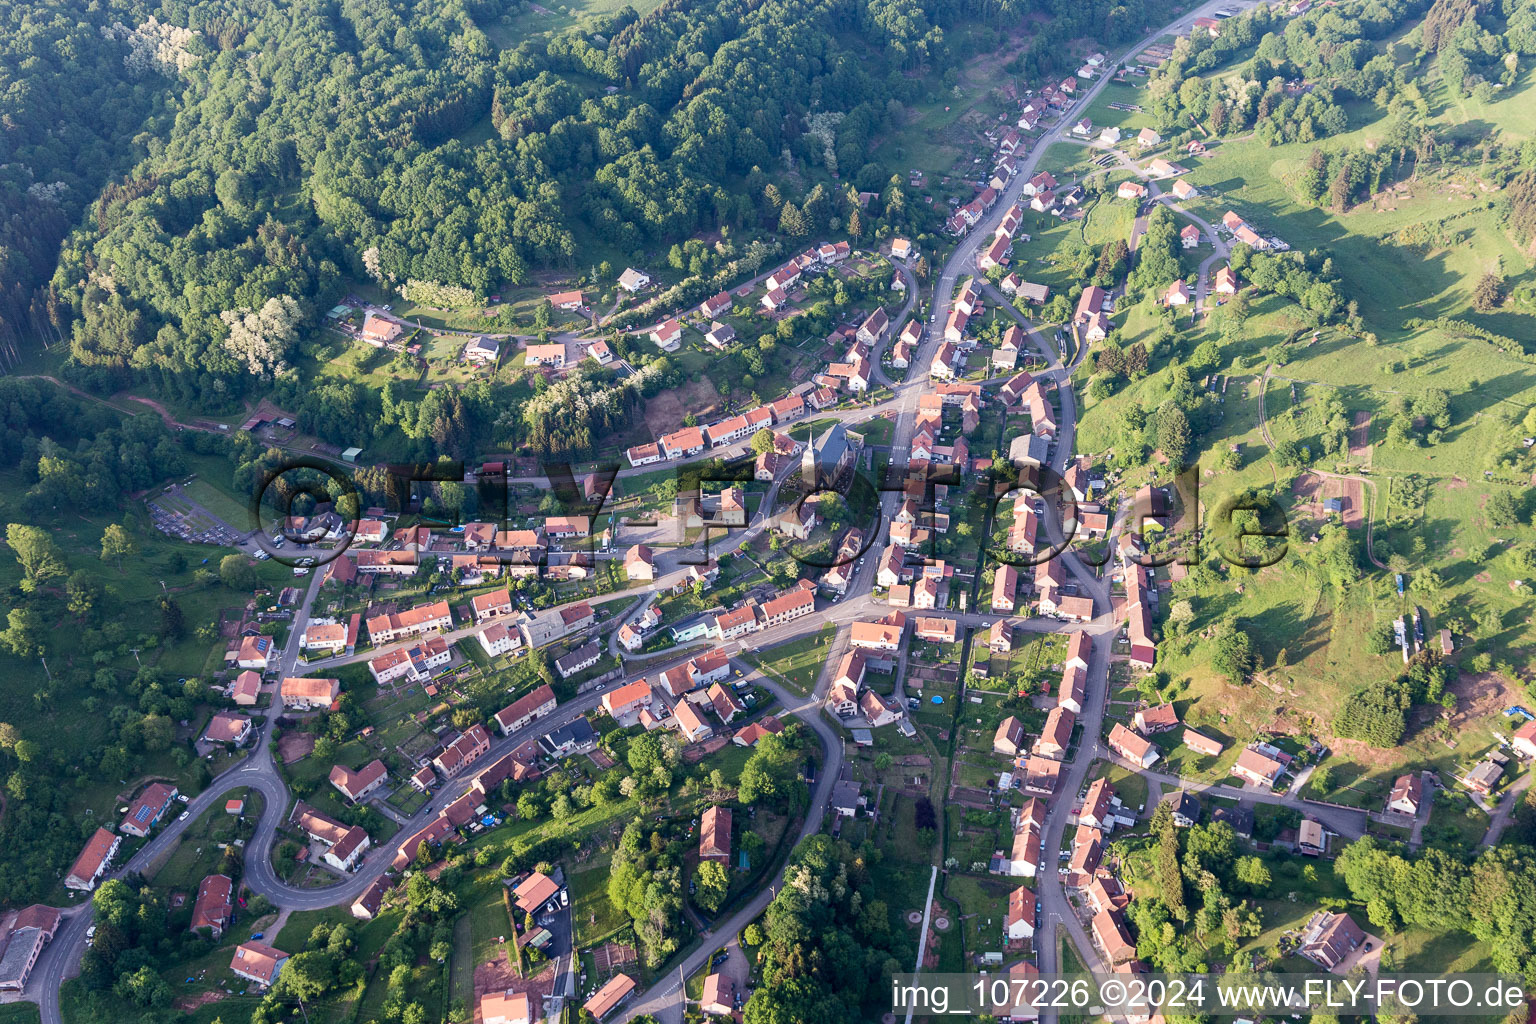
220, 503
197, 853
798, 663
1442, 234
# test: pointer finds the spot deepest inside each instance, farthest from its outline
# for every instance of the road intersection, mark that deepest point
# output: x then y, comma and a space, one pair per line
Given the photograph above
259, 771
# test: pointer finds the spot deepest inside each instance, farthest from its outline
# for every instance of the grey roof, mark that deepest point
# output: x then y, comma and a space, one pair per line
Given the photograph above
1184, 803
572, 734
1029, 449
825, 453
845, 794
580, 656
18, 950
1239, 817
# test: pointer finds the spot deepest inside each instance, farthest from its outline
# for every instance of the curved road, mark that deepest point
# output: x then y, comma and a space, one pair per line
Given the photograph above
258, 770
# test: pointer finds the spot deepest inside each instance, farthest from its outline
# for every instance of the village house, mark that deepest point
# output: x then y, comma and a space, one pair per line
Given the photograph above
1004, 589
1072, 691
644, 454
379, 332
498, 638
579, 660
1020, 922
1329, 938
525, 710
614, 992
330, 637
1202, 744
482, 350
1138, 750
872, 330
1258, 769
506, 1008
254, 652
214, 906
684, 442
93, 861
258, 962
692, 723
1110, 933
1009, 738
416, 662
750, 734
1484, 776
720, 335
879, 711
552, 355
719, 996
668, 335
384, 629
228, 727
147, 810
625, 703
1056, 735
492, 605
715, 834
1159, 718
712, 307
463, 752
303, 693
357, 785
344, 845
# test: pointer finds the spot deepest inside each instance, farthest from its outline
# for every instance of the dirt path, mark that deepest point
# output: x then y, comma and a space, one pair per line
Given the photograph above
1360, 433
165, 414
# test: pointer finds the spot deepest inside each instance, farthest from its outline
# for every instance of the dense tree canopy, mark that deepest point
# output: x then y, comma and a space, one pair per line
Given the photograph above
830, 948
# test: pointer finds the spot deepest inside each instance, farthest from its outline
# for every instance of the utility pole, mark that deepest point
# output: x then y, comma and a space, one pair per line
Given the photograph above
44, 660
135, 652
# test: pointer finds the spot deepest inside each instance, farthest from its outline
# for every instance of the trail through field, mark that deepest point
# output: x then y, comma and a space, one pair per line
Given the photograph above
1360, 437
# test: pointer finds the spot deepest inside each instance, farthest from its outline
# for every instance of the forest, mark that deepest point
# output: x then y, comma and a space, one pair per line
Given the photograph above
249, 159
829, 949
1292, 80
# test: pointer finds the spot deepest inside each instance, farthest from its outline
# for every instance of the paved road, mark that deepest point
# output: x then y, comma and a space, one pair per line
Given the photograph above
259, 771
1508, 801
1220, 250
665, 998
